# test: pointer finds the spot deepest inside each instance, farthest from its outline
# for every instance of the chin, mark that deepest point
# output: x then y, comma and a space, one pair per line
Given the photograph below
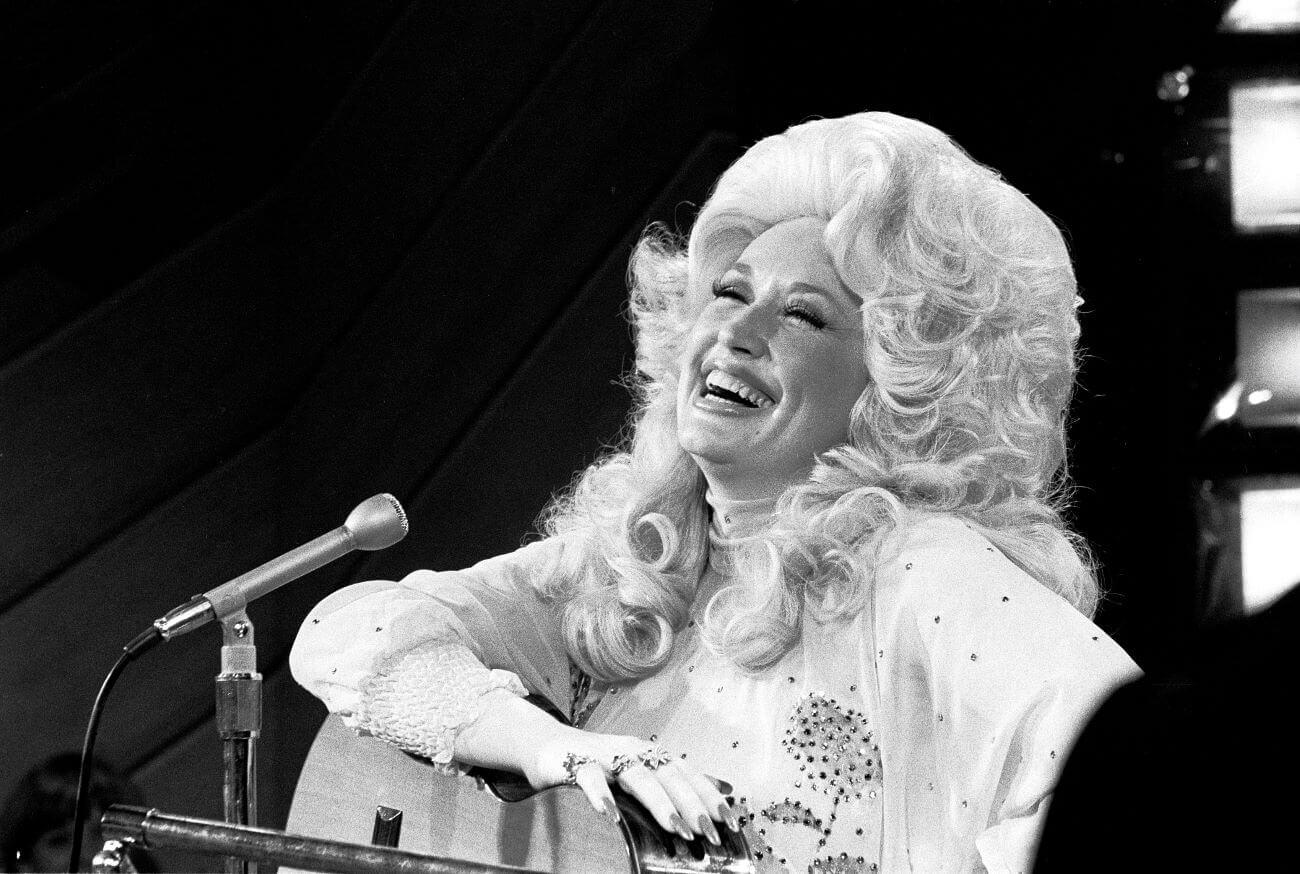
704, 449
707, 447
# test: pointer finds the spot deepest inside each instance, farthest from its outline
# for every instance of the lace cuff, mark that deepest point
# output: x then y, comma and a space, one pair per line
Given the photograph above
423, 700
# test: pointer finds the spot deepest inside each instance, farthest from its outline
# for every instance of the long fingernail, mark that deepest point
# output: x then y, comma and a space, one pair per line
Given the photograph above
611, 810
679, 826
722, 785
707, 829
728, 817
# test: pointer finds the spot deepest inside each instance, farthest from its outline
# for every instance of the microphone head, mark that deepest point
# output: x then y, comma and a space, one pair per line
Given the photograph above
377, 523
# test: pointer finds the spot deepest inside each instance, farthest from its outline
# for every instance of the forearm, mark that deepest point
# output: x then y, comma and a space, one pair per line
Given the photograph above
424, 700
510, 733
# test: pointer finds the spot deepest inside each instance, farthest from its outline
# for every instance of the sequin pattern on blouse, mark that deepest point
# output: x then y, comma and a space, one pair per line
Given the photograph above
836, 792
842, 864
834, 748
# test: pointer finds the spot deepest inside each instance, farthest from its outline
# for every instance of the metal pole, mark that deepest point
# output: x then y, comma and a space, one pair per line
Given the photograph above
239, 722
154, 830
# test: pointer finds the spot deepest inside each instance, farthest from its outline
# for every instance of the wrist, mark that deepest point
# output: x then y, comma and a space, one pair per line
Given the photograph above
545, 766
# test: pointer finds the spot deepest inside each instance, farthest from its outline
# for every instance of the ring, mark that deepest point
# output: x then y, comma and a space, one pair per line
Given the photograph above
572, 762
654, 757
621, 763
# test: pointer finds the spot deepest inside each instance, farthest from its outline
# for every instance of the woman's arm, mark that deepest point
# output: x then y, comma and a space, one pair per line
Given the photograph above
437, 665
511, 734
992, 677
362, 640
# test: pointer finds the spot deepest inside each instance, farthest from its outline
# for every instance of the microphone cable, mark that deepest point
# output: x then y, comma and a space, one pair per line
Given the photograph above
143, 642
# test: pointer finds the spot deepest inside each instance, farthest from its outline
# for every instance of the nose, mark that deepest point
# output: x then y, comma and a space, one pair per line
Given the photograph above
744, 333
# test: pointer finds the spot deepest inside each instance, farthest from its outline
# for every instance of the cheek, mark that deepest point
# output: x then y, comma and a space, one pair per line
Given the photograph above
697, 340
834, 384
695, 346
688, 360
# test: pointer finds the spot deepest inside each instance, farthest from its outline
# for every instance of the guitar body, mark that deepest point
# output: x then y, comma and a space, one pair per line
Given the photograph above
347, 778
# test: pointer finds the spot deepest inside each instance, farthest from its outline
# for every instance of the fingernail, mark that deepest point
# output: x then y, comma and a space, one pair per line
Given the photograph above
722, 785
679, 826
611, 810
707, 829
728, 817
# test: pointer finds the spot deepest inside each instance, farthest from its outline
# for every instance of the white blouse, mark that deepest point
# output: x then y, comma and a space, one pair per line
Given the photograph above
926, 734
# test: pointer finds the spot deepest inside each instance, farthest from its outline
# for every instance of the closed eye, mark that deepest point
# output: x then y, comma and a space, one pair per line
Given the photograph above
720, 290
805, 315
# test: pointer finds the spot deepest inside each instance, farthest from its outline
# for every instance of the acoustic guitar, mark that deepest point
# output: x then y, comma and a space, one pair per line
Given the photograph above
362, 790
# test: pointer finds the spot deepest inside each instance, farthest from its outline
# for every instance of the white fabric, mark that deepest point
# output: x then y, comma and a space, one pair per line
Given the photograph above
493, 608
423, 700
731, 517
948, 707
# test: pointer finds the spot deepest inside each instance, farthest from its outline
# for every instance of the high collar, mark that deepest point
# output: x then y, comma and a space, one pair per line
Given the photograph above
733, 518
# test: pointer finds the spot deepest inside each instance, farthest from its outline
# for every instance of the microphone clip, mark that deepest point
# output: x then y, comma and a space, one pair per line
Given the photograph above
188, 616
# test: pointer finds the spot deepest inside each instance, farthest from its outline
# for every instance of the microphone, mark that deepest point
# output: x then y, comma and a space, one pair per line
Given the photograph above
376, 523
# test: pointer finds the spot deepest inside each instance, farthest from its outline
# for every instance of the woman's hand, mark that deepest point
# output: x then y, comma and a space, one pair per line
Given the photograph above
512, 734
680, 798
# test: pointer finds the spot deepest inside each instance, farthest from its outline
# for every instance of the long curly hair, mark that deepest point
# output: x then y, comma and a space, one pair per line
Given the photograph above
970, 332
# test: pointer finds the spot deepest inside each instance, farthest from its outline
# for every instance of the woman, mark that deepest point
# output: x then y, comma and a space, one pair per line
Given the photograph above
829, 565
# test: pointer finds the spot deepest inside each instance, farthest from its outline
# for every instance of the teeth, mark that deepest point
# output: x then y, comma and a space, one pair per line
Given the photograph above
735, 385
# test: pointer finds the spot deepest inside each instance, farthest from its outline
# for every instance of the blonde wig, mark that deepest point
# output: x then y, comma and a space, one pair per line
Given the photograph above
970, 331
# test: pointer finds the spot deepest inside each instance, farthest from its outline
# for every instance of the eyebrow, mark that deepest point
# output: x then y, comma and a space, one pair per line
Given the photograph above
843, 294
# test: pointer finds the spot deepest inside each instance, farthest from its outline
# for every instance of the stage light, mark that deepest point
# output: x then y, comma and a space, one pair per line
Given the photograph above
1226, 406
1265, 125
1259, 396
1262, 16
1270, 561
1268, 359
1175, 85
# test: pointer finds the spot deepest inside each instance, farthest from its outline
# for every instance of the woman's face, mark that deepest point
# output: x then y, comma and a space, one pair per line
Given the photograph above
773, 364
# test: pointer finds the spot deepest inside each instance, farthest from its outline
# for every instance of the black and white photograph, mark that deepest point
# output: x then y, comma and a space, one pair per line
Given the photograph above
774, 437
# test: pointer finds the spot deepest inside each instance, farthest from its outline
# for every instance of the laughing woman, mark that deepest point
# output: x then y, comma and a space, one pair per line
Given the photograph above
830, 564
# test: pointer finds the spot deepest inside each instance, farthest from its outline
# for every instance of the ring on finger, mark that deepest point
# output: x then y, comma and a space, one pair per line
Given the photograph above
572, 762
621, 763
654, 757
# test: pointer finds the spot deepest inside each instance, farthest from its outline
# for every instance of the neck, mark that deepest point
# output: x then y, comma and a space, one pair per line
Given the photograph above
742, 480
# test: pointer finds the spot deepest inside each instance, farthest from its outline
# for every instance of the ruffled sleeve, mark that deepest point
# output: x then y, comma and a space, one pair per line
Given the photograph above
409, 661
991, 678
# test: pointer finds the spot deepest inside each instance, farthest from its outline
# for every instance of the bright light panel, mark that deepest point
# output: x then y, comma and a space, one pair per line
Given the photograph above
1265, 121
1270, 547
1262, 16
1268, 359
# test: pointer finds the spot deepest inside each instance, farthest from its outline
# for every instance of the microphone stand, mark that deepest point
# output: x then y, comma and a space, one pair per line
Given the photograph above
239, 722
376, 523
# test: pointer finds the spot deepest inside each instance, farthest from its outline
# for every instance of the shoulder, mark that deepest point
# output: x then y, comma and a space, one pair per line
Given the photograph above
524, 573
955, 589
529, 566
941, 557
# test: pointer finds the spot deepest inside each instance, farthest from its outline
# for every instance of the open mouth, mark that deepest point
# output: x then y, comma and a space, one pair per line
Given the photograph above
734, 390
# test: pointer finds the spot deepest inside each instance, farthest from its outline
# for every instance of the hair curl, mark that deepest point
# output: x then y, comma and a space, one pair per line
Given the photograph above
970, 331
